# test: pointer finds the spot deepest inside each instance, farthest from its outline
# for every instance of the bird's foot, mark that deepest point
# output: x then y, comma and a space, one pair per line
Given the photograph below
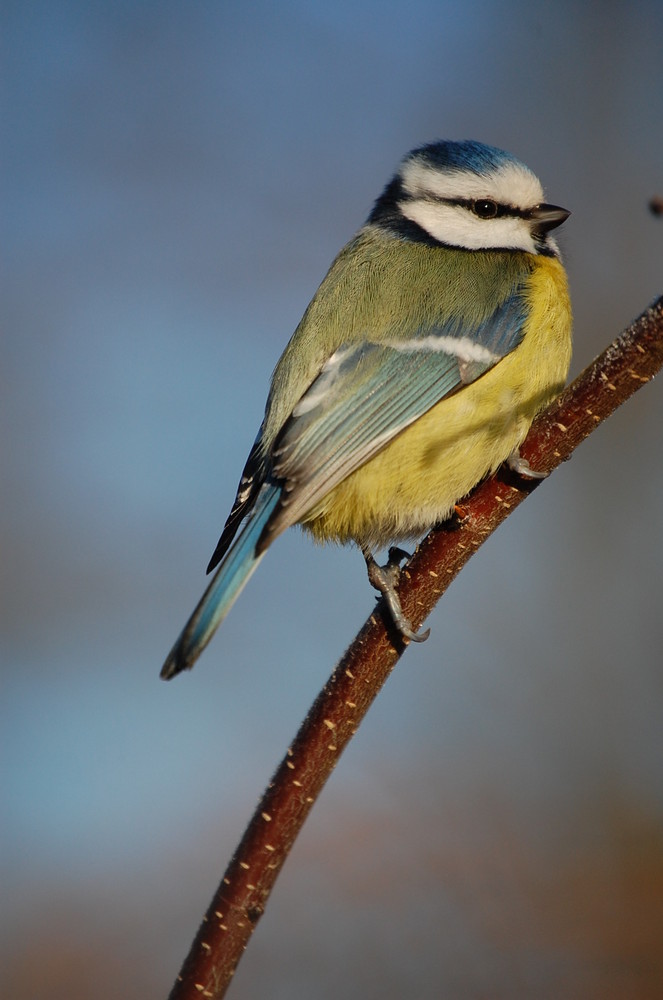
385, 579
521, 466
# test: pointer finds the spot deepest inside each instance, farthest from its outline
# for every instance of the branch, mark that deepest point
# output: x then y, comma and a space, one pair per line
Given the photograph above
631, 361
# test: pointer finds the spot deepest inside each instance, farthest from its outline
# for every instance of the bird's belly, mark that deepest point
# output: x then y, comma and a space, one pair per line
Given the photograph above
417, 478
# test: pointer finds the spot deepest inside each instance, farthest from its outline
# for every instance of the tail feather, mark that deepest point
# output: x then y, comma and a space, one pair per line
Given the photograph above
234, 571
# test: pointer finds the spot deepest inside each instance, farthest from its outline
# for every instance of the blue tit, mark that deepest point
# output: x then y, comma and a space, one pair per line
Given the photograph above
438, 333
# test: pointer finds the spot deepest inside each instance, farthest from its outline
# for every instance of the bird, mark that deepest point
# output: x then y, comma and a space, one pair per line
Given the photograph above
439, 332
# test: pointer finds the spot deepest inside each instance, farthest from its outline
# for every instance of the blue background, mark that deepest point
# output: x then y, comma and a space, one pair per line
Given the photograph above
178, 176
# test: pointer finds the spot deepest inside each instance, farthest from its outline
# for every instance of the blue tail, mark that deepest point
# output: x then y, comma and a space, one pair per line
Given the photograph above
236, 567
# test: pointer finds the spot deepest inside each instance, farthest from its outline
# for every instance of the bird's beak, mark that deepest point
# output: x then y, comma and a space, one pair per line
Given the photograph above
548, 217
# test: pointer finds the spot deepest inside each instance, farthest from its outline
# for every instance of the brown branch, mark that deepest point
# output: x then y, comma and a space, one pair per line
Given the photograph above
633, 359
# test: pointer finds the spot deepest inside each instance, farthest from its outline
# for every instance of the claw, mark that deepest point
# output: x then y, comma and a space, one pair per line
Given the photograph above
521, 466
385, 579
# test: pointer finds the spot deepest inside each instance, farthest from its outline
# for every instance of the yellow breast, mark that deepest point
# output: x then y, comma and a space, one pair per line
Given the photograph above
417, 478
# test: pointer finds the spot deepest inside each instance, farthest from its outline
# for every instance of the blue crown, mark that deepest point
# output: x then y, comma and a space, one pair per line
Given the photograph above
465, 155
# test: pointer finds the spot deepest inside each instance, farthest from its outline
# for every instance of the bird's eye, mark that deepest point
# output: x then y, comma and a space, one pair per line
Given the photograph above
485, 209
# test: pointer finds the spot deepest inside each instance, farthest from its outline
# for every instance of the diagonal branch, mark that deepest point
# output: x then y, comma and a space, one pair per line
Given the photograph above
632, 360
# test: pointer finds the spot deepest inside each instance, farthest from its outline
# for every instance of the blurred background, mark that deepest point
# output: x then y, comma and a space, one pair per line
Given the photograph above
177, 178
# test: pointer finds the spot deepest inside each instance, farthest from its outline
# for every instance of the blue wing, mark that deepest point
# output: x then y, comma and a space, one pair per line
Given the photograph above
367, 393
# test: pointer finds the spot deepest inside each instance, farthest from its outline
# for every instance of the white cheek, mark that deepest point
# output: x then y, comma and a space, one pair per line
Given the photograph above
457, 226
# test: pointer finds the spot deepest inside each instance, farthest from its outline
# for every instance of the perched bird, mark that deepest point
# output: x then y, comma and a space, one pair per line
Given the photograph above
439, 332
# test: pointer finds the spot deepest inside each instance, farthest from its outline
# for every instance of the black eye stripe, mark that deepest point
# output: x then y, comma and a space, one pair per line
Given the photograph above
500, 211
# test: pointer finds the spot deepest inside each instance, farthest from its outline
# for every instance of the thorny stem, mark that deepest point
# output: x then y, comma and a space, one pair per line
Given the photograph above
631, 361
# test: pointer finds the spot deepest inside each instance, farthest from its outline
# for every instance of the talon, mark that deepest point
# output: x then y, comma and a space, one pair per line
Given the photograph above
397, 555
385, 578
521, 466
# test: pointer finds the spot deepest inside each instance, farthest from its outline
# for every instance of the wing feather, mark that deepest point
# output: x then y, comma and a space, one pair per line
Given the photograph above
247, 492
369, 392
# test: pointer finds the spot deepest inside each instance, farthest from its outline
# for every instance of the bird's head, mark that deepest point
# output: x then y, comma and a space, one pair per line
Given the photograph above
471, 196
